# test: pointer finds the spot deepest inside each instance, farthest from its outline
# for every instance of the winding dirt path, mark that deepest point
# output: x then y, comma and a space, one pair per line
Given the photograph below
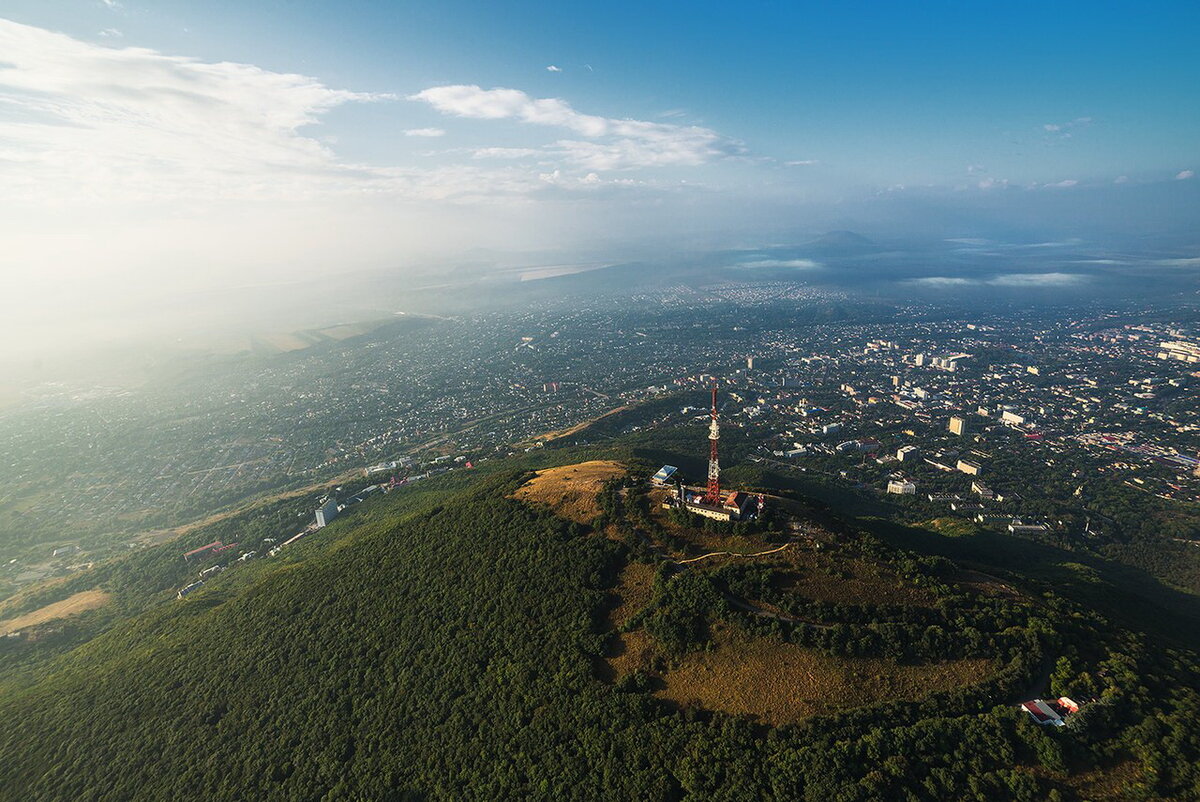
732, 554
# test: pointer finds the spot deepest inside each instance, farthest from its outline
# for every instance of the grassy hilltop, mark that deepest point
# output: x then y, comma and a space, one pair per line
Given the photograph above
500, 634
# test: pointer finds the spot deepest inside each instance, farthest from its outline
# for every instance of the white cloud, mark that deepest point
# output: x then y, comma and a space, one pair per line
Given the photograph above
801, 162
1121, 179
993, 183
111, 3
553, 68
94, 123
85, 124
111, 33
1064, 184
1036, 280
1184, 175
1017, 280
499, 104
943, 281
505, 153
624, 143
1064, 128
798, 264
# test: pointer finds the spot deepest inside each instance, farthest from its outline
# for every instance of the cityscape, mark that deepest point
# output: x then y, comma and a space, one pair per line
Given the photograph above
779, 402
960, 414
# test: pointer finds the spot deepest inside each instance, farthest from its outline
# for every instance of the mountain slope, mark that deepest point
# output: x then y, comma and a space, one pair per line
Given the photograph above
457, 652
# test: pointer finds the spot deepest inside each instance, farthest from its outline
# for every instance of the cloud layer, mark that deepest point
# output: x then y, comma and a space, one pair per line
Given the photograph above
1013, 280
607, 144
87, 123
132, 123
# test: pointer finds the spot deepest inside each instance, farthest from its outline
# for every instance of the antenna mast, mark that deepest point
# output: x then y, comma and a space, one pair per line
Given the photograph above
713, 496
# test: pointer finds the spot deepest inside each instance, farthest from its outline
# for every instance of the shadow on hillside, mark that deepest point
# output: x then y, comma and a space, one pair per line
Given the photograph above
1123, 593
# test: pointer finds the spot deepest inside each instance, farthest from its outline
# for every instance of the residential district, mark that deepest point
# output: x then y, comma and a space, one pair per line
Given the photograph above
1002, 419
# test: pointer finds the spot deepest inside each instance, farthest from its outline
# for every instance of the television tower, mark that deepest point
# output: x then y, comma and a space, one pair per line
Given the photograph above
713, 496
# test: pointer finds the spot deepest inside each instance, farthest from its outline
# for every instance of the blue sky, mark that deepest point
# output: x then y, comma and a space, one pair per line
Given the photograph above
879, 94
186, 144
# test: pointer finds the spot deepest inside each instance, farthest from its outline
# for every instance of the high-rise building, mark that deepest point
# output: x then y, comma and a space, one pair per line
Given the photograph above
919, 360
750, 363
958, 425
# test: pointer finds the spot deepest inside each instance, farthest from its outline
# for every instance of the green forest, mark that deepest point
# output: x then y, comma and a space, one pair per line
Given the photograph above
446, 642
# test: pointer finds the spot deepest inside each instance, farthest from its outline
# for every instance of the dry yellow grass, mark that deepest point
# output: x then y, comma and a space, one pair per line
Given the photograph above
633, 651
571, 490
987, 585
634, 589
72, 605
18, 598
579, 427
779, 683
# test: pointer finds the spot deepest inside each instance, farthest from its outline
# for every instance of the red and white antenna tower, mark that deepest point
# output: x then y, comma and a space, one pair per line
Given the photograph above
713, 496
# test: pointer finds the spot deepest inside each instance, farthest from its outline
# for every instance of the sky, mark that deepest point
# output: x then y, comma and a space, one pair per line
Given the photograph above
152, 148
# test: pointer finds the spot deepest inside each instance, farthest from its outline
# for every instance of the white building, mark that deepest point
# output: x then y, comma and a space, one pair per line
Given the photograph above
327, 512
969, 468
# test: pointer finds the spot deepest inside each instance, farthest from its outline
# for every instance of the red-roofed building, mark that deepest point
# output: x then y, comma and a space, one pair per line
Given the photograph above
1042, 712
203, 551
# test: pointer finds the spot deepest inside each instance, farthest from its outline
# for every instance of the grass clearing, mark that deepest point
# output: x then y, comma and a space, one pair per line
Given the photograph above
634, 590
579, 427
839, 580
72, 605
283, 342
780, 683
571, 490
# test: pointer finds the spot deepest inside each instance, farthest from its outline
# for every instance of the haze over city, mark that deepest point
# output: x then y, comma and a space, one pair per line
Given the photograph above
159, 151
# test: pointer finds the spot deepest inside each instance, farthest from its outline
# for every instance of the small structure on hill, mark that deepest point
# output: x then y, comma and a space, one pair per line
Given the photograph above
664, 476
1050, 713
203, 551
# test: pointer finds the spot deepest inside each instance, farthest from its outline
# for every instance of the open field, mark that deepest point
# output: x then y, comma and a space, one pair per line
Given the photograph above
1109, 783
18, 598
634, 590
571, 490
343, 332
824, 577
72, 605
284, 342
986, 584
579, 427
781, 683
